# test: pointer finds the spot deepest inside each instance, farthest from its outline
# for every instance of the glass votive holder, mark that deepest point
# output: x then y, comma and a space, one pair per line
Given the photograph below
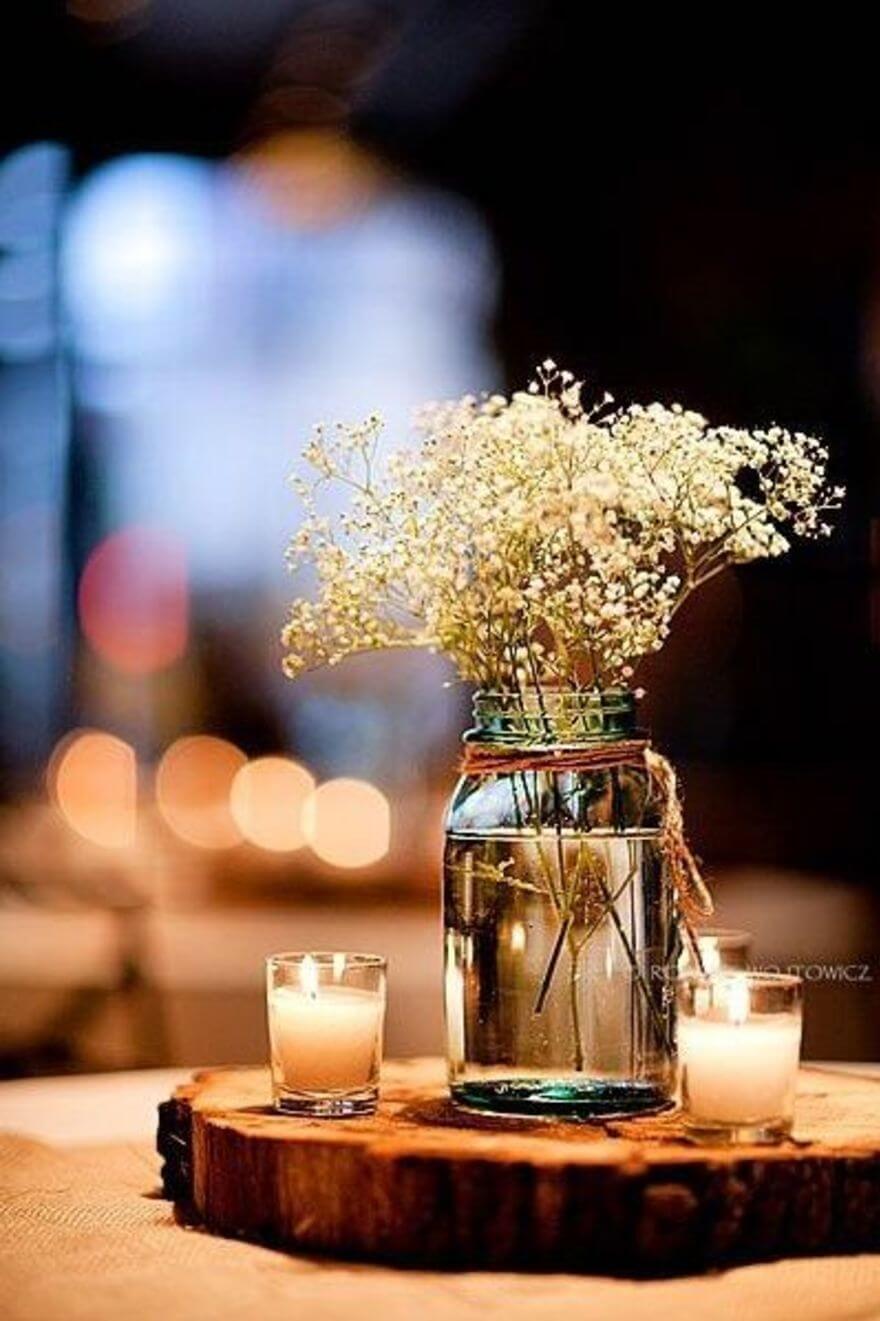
326, 1013
720, 948
739, 1041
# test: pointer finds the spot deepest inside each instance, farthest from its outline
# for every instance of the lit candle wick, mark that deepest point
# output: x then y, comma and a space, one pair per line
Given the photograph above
308, 977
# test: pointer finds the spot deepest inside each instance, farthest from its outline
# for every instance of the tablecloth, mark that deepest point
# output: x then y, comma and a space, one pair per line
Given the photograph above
84, 1235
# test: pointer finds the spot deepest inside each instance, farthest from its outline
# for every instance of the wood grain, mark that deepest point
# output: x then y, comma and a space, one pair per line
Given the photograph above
424, 1183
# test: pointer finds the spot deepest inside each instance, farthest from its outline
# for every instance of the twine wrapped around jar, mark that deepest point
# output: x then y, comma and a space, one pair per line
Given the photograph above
691, 890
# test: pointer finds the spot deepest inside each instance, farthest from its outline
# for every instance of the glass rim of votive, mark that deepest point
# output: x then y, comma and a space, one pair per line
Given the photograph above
754, 978
723, 933
326, 958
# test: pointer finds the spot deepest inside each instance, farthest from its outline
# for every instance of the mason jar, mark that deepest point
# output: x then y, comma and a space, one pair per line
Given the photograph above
559, 918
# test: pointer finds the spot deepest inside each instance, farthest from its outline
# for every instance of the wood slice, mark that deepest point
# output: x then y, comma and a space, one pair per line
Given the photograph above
425, 1183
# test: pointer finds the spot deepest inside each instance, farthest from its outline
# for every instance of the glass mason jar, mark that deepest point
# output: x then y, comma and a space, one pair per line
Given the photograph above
561, 936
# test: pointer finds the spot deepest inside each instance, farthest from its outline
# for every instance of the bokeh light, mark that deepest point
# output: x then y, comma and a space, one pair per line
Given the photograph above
517, 937
136, 258
193, 785
92, 779
133, 600
348, 823
313, 176
105, 12
267, 799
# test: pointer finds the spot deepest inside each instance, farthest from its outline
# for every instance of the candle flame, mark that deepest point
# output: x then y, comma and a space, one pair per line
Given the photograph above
338, 966
517, 938
308, 977
738, 1000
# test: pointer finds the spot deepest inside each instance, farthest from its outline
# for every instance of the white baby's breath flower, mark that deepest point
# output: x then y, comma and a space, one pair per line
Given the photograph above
535, 540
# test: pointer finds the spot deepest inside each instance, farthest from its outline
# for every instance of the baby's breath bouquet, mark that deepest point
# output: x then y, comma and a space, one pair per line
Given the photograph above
545, 543
540, 540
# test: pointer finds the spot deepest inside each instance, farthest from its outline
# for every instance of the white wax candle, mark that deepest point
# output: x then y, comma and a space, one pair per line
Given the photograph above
739, 1072
326, 1039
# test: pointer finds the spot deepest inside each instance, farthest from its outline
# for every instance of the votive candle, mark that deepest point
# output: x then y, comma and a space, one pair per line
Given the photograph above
739, 1038
720, 949
325, 1014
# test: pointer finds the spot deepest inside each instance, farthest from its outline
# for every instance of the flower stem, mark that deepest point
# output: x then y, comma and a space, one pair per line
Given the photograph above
550, 969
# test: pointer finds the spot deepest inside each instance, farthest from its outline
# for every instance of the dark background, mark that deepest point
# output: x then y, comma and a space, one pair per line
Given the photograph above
676, 210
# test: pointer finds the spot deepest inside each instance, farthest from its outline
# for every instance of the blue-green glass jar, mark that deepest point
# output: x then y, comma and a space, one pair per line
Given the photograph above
560, 924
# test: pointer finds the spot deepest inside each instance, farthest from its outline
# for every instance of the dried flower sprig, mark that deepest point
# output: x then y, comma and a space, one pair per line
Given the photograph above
538, 540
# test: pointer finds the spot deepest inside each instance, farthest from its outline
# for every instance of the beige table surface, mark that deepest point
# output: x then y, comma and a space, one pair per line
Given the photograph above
83, 1235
